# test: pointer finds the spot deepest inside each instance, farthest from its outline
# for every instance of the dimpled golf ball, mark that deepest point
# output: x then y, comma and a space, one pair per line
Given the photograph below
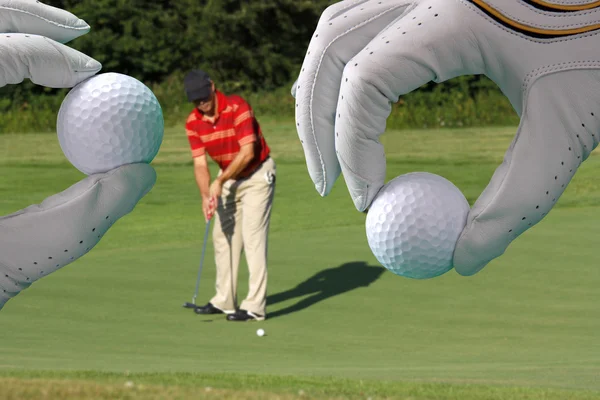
260, 332
414, 223
109, 120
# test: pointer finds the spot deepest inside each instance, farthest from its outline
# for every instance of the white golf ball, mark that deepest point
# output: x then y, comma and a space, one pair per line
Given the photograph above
260, 332
109, 120
414, 223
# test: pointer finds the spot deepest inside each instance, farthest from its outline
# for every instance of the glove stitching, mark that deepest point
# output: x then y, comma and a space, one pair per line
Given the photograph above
541, 71
524, 37
474, 217
572, 2
364, 184
547, 14
330, 13
44, 19
318, 69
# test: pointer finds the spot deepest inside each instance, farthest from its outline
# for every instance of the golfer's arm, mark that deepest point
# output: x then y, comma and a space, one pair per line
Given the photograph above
202, 174
241, 161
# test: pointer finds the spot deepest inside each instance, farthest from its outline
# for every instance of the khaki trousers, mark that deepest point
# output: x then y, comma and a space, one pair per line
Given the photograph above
241, 222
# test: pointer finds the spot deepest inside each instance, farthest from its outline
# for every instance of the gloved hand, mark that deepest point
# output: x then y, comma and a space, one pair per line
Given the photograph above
40, 239
543, 54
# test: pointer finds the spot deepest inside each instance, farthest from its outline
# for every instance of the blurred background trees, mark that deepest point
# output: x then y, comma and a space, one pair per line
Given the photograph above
251, 47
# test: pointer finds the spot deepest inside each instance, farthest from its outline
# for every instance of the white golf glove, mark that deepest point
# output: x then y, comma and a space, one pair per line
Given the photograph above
543, 54
40, 239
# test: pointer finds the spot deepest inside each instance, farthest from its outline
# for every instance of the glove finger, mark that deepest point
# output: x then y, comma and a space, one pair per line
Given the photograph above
43, 238
559, 129
33, 17
343, 30
44, 61
431, 42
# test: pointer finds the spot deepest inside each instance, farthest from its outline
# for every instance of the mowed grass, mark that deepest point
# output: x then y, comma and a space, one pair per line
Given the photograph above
111, 324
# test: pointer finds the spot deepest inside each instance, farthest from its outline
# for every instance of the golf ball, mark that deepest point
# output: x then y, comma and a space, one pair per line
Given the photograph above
414, 223
109, 120
260, 332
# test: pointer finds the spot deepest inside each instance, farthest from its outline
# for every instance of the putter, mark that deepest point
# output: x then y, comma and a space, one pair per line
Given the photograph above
193, 303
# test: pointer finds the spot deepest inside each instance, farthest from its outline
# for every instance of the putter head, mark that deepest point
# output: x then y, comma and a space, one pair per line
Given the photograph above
189, 305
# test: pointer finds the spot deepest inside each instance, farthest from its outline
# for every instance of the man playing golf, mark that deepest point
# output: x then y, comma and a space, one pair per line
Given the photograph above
240, 198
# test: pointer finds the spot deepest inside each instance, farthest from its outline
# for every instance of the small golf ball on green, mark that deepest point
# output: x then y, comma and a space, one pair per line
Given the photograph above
260, 332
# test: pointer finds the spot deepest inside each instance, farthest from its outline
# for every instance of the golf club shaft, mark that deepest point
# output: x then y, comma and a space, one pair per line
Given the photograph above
201, 261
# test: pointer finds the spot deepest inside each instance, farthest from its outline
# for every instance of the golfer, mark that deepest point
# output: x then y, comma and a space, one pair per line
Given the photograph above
240, 198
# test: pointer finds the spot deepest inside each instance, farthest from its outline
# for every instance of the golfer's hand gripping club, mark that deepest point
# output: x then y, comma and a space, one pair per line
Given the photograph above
40, 239
542, 54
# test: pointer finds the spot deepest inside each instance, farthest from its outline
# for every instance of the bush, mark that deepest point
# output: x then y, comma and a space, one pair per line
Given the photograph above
253, 48
448, 104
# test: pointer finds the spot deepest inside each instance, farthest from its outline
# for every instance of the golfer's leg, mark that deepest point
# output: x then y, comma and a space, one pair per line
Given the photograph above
257, 205
227, 242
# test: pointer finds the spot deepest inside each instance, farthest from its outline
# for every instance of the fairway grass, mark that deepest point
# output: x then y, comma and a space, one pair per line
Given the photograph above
111, 325
90, 385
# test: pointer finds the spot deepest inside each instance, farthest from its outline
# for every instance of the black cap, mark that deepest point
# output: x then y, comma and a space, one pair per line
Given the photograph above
197, 85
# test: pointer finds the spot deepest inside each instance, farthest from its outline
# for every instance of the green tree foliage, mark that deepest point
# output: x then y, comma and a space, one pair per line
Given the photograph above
251, 47
244, 44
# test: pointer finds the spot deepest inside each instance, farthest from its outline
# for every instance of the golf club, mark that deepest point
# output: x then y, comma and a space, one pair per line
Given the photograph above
193, 303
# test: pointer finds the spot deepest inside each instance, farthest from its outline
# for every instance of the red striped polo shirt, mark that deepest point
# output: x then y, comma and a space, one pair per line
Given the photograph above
222, 135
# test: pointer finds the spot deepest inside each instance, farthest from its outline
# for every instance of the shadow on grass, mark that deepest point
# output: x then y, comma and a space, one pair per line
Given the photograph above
325, 284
